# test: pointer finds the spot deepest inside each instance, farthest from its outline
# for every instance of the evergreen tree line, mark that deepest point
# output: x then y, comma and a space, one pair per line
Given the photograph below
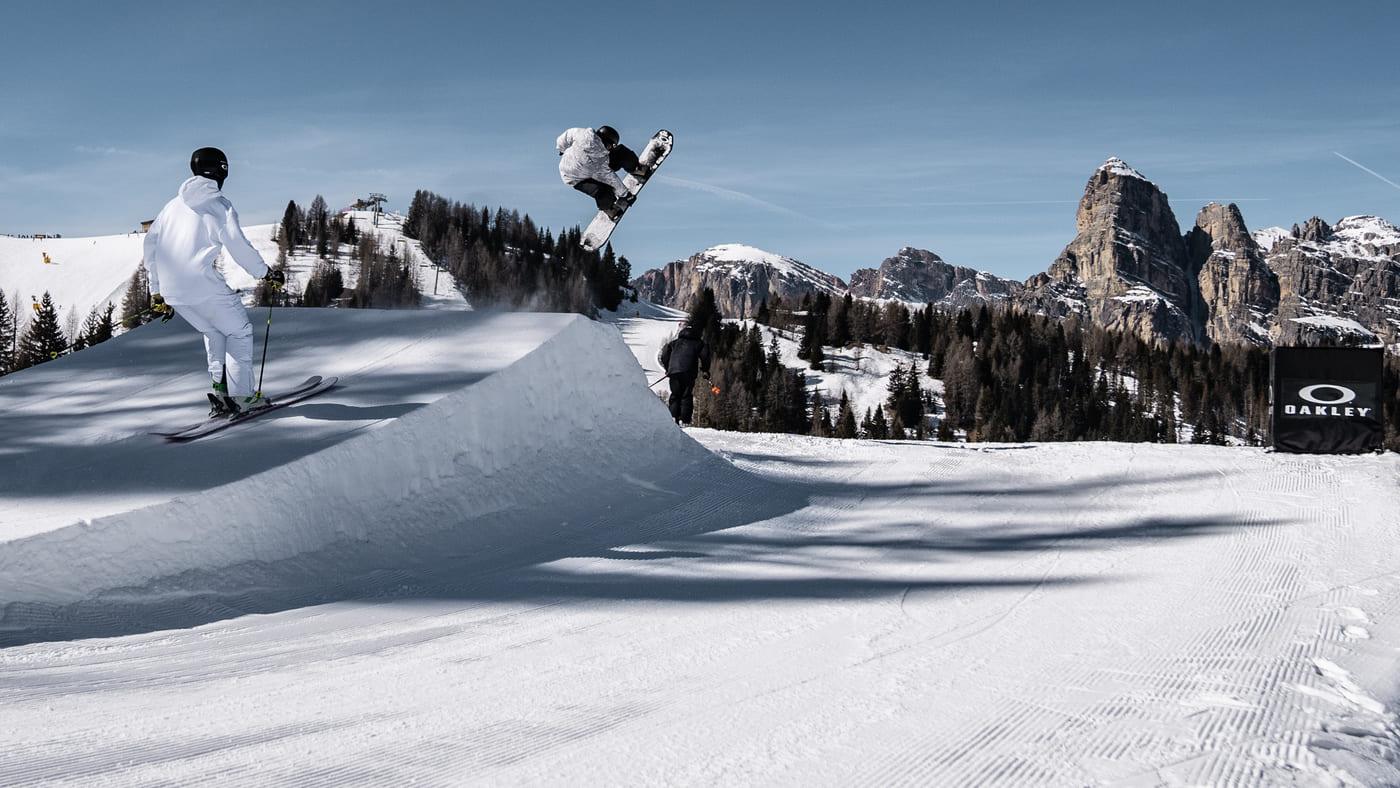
504, 260
385, 276
42, 338
756, 392
1013, 376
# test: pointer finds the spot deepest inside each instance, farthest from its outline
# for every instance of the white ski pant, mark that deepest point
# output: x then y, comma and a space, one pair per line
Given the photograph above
228, 339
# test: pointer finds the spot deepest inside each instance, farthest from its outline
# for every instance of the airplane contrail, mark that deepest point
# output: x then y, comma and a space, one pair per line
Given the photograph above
730, 194
1364, 168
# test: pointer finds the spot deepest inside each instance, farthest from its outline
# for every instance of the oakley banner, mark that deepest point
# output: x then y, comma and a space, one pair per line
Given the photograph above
1327, 400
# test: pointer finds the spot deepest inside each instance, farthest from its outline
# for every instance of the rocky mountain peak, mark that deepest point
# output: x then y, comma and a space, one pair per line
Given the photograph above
1238, 290
1314, 229
922, 277
1224, 227
1127, 267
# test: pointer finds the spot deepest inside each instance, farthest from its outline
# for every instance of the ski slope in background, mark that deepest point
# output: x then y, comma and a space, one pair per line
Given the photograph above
489, 557
83, 274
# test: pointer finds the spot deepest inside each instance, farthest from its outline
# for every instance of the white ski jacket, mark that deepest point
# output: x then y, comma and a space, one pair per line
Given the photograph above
585, 156
185, 239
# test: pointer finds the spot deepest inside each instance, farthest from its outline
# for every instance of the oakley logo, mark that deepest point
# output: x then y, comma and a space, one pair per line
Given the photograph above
1342, 394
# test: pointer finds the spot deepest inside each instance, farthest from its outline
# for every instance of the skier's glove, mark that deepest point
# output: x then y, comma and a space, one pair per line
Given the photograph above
161, 308
275, 279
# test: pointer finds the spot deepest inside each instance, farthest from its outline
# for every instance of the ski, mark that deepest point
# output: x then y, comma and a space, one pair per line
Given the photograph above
311, 387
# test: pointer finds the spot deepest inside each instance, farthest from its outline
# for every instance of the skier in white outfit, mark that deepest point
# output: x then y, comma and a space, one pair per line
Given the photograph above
179, 253
589, 161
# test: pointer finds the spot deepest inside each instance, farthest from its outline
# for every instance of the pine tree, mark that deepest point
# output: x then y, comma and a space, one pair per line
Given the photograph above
840, 323
875, 425
137, 300
292, 234
821, 420
324, 286
318, 225
98, 328
44, 339
8, 334
945, 431
846, 421
905, 397
704, 314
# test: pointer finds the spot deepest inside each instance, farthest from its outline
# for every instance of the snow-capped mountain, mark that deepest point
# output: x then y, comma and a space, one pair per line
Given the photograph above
741, 276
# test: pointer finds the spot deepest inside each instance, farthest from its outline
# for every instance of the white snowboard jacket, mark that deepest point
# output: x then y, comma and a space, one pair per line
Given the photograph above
185, 239
585, 156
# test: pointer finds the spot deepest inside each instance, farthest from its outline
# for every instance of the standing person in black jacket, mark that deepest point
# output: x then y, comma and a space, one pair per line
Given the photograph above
682, 358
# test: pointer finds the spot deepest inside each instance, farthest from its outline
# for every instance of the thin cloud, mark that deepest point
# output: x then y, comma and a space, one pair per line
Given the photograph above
730, 194
1366, 169
994, 203
102, 150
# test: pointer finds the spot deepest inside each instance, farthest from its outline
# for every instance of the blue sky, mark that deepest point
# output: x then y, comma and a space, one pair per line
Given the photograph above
834, 133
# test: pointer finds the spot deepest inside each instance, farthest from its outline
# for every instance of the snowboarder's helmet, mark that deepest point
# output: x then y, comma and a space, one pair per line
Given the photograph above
609, 135
211, 163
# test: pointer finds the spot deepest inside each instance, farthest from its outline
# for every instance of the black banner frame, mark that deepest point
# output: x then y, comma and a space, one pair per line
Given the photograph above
1327, 400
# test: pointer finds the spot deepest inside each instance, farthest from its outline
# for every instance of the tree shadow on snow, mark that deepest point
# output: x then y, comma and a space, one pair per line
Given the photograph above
735, 537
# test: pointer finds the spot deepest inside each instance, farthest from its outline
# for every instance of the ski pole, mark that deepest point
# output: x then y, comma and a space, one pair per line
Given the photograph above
266, 338
658, 380
133, 317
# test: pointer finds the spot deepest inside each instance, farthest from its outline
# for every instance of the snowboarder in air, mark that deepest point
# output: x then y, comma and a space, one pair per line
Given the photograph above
683, 358
179, 253
589, 161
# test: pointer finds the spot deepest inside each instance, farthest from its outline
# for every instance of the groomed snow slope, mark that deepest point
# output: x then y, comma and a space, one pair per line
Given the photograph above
83, 273
490, 558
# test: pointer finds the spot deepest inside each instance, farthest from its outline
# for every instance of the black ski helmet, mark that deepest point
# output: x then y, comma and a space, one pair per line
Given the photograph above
609, 135
211, 163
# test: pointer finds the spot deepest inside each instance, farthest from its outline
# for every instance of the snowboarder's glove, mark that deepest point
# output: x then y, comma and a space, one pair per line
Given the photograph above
275, 279
161, 308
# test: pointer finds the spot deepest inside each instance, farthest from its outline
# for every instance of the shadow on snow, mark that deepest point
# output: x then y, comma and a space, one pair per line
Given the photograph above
620, 548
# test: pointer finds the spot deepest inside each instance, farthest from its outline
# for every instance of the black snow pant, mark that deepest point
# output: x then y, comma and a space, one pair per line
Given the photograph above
601, 193
682, 400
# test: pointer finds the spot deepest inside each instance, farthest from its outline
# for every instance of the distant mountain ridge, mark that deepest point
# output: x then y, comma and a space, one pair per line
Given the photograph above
1129, 267
742, 277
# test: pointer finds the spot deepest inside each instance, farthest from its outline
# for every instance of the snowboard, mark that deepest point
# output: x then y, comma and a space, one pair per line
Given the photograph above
309, 388
602, 226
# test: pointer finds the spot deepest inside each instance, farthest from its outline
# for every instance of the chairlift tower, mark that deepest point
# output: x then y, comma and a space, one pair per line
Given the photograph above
375, 200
